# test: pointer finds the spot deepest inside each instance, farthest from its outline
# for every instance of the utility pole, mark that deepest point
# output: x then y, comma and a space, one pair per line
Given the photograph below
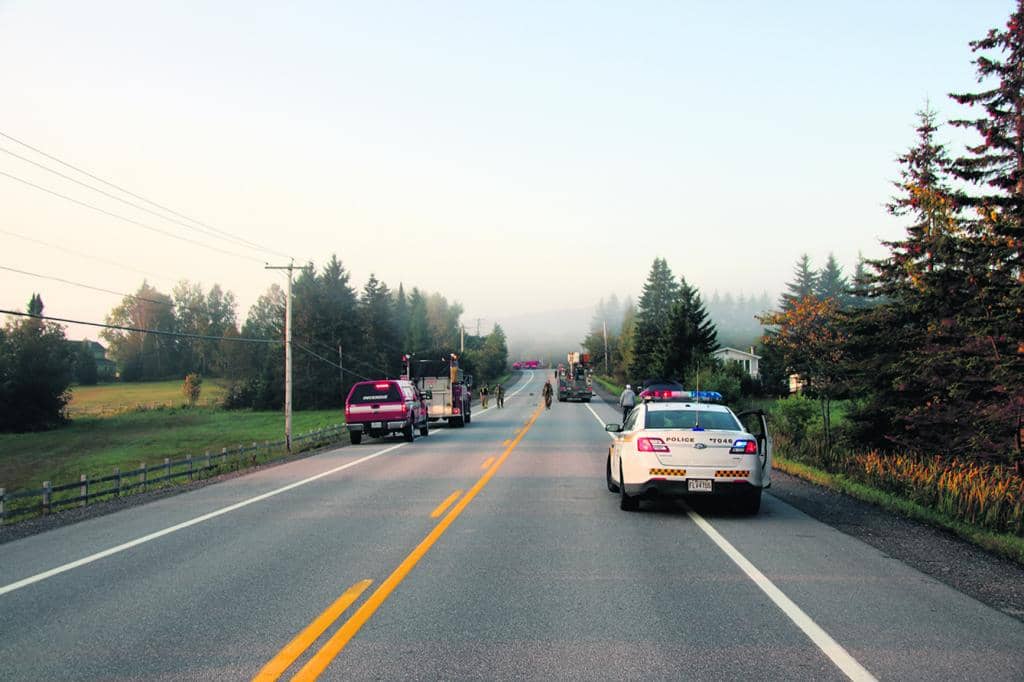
287, 356
604, 325
478, 320
462, 339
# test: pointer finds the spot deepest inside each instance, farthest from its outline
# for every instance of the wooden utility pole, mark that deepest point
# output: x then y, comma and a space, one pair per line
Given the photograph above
287, 356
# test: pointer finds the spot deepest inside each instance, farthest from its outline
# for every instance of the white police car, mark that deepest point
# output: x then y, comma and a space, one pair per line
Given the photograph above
685, 443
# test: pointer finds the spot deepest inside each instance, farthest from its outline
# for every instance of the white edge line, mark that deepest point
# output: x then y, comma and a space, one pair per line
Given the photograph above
25, 582
598, 418
831, 648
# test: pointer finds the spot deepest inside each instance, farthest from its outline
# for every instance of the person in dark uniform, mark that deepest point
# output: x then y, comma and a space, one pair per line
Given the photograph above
501, 395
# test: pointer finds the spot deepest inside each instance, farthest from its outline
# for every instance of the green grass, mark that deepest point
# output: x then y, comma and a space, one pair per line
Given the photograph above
111, 399
608, 384
1004, 544
95, 445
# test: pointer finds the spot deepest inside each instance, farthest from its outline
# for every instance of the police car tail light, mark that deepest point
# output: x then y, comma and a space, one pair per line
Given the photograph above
744, 446
651, 445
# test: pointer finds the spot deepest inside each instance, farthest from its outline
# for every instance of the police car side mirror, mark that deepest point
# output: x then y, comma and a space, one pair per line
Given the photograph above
613, 428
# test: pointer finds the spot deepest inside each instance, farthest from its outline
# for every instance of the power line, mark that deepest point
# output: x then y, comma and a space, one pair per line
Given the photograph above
121, 199
159, 332
85, 255
129, 220
332, 364
225, 233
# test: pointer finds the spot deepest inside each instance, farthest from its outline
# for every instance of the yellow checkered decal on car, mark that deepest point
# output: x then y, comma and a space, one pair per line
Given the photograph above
732, 473
668, 472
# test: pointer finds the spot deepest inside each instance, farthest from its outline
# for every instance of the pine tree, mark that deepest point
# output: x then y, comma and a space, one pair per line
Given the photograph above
659, 294
830, 282
995, 167
803, 285
690, 335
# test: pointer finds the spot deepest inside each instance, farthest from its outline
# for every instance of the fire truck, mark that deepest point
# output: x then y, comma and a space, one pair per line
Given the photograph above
574, 378
446, 387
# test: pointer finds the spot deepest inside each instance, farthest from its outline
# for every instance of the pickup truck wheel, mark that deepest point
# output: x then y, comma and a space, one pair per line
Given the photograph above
469, 416
356, 437
407, 433
626, 503
608, 476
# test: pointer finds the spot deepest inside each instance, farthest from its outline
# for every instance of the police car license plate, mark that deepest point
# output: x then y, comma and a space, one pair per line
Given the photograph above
380, 425
698, 485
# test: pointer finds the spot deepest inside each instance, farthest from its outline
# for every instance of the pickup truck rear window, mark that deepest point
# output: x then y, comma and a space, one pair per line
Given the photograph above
687, 419
376, 393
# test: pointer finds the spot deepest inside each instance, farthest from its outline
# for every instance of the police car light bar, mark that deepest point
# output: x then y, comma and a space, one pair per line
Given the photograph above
706, 396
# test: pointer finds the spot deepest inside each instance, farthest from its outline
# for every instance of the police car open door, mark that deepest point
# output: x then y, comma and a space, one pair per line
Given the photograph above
756, 424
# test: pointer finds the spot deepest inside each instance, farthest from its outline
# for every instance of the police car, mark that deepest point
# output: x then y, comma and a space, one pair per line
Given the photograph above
686, 443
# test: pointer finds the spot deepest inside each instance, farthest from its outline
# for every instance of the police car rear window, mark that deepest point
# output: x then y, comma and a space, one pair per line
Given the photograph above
687, 419
376, 393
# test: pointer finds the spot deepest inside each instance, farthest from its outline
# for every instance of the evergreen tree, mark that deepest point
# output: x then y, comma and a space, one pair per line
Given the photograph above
830, 282
381, 348
995, 167
690, 335
804, 284
417, 336
653, 311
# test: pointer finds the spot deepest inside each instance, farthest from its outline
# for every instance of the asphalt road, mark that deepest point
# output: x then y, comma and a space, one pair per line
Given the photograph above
349, 565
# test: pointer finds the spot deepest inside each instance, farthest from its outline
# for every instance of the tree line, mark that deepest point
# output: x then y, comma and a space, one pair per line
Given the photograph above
340, 335
933, 358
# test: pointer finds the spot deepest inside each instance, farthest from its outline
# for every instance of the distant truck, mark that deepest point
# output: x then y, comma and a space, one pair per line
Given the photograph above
447, 388
526, 364
574, 378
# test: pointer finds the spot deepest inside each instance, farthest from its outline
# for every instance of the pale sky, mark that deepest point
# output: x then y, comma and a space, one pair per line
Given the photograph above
516, 157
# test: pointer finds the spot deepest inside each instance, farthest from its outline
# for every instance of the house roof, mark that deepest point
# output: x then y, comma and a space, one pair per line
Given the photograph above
726, 349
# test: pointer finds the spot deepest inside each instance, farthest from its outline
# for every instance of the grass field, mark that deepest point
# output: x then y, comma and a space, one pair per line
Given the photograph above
111, 399
95, 445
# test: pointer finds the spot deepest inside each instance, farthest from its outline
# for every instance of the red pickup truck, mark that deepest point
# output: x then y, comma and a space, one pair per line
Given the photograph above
380, 408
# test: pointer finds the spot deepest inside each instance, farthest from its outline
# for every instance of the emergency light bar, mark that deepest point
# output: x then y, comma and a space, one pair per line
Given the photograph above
705, 396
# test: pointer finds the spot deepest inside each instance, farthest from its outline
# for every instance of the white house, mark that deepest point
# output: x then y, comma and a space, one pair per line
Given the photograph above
748, 360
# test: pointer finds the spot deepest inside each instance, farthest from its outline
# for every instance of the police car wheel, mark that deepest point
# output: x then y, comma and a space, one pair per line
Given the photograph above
626, 503
608, 477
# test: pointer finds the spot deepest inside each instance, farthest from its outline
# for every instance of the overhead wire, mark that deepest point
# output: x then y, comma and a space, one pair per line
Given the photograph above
225, 234
130, 220
80, 254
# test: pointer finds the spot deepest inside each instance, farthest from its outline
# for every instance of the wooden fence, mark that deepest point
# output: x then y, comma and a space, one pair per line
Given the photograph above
23, 503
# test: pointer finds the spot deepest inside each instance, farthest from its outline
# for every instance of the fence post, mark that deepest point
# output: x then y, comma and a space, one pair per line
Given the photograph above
3, 495
207, 460
189, 458
117, 480
46, 497
142, 476
167, 468
255, 452
224, 457
83, 489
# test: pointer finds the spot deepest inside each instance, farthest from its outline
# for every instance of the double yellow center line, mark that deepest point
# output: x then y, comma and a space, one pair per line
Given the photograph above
319, 662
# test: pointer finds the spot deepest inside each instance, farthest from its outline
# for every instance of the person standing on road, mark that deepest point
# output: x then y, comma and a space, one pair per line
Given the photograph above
627, 401
483, 396
501, 395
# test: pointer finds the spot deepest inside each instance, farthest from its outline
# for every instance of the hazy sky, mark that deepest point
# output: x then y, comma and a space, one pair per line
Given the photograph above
514, 156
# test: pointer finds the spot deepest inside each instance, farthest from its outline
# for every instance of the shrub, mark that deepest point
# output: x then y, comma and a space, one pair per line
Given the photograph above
191, 388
